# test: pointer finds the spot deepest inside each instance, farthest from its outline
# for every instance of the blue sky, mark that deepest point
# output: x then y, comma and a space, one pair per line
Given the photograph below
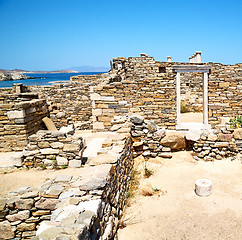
58, 34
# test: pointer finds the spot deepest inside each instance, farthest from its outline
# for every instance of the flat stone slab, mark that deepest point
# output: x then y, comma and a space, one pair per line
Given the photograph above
7, 159
63, 178
93, 147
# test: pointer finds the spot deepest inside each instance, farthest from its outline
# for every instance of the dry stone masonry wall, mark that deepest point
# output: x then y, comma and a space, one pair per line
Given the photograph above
218, 144
52, 149
149, 88
68, 103
18, 121
84, 207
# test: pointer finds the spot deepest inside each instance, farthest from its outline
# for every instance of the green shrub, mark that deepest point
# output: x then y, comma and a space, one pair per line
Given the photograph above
185, 108
236, 122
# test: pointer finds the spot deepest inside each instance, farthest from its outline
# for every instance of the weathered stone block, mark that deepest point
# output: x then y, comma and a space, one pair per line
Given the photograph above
26, 227
16, 114
6, 230
238, 134
75, 163
174, 140
48, 151
71, 147
61, 161
47, 204
20, 216
24, 203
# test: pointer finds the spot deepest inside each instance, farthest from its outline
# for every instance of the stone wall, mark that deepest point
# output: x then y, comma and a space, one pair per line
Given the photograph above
148, 88
218, 144
18, 121
85, 207
52, 149
68, 103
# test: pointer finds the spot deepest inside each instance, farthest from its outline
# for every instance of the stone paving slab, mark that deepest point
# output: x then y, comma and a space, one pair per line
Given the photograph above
7, 159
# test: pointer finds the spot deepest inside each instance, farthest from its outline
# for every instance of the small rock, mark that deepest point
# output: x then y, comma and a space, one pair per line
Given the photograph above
6, 230
24, 204
61, 161
63, 178
238, 134
57, 145
69, 129
165, 155
60, 115
49, 151
20, 216
174, 140
137, 119
151, 126
71, 147
22, 227
75, 163
47, 204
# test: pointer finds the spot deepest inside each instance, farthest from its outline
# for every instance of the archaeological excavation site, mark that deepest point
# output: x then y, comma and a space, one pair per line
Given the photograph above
90, 131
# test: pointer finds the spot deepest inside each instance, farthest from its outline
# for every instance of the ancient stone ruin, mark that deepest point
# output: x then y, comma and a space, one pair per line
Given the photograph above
137, 109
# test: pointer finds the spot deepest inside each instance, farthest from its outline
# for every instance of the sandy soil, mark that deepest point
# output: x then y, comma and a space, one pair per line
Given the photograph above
11, 180
191, 117
180, 213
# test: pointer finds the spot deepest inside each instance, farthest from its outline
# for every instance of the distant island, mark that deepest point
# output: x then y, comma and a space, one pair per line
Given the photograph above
19, 74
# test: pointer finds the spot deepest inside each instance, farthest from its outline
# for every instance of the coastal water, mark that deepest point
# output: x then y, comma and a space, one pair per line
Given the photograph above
44, 78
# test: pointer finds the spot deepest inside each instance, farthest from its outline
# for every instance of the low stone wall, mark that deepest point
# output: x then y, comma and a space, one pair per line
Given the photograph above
17, 98
150, 141
218, 144
68, 103
86, 207
52, 149
18, 121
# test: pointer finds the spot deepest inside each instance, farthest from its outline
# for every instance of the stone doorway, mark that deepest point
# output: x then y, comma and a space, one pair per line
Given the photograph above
191, 69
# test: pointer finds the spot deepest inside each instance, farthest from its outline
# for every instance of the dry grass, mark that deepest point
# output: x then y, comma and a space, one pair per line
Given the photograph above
147, 190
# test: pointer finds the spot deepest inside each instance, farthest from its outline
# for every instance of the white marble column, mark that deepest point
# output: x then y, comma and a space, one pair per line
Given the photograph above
205, 98
178, 99
199, 57
168, 58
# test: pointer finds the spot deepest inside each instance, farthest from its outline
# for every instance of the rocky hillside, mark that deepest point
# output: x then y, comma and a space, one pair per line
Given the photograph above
13, 76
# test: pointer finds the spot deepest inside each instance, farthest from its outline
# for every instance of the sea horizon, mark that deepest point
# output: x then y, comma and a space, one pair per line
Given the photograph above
44, 79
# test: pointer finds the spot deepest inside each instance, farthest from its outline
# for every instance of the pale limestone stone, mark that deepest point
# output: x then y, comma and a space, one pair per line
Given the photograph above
6, 230
174, 140
24, 203
46, 204
97, 112
212, 137
71, 147
57, 145
98, 125
16, 114
238, 133
20, 216
49, 151
49, 124
95, 96
61, 161
63, 178
69, 129
75, 163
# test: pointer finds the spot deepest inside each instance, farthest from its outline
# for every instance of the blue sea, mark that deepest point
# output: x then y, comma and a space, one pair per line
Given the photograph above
44, 79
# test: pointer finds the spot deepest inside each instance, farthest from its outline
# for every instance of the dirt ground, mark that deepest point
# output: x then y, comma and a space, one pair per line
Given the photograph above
191, 117
176, 212
11, 180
